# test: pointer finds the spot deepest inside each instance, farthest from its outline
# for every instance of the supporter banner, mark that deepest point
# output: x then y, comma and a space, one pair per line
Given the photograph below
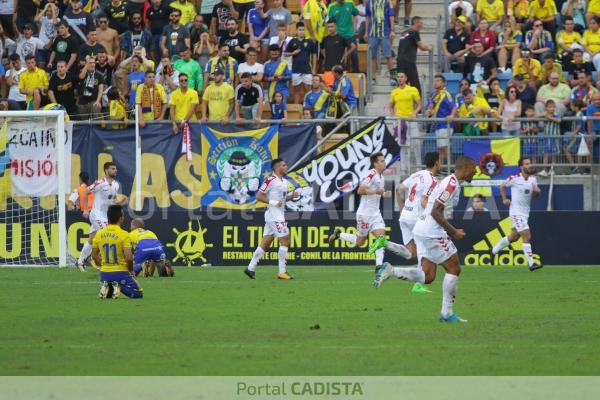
31, 148
337, 171
498, 159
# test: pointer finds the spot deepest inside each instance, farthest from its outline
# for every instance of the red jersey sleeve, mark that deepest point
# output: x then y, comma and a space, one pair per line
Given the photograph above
448, 191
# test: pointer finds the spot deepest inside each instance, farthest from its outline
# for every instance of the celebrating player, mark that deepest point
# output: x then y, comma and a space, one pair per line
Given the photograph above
522, 186
105, 194
149, 252
76, 198
368, 215
112, 253
434, 246
274, 192
419, 186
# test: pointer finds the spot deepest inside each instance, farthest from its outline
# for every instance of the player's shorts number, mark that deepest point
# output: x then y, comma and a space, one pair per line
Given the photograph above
110, 250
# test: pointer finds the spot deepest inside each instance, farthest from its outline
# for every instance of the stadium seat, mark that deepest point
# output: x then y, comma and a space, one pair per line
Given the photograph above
452, 81
294, 111
332, 141
292, 27
359, 83
363, 53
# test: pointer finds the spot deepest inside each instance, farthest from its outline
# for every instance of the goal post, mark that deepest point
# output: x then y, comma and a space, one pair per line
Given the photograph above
35, 152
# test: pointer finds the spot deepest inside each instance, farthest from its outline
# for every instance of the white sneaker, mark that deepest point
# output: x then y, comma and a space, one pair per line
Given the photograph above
104, 290
116, 290
383, 274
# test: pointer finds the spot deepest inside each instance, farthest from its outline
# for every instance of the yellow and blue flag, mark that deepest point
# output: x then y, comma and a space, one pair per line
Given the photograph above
5, 165
497, 159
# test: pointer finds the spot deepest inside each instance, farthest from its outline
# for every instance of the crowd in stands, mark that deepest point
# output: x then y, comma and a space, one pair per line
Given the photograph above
185, 59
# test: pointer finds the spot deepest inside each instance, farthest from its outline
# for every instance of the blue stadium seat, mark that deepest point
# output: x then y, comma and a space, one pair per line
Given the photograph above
452, 82
504, 78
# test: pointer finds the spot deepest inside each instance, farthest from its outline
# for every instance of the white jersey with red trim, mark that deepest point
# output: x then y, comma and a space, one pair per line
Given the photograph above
105, 194
421, 183
443, 193
275, 188
369, 203
521, 190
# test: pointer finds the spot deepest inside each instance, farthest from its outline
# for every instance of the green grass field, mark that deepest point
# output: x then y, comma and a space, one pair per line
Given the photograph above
328, 321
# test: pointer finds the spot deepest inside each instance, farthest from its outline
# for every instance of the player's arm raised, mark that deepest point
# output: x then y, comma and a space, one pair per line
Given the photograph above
438, 215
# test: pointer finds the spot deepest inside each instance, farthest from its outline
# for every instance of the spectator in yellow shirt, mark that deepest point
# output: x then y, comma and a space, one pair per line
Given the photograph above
593, 10
568, 40
33, 83
184, 102
188, 11
544, 10
591, 41
492, 11
150, 99
528, 67
548, 67
217, 100
405, 102
475, 107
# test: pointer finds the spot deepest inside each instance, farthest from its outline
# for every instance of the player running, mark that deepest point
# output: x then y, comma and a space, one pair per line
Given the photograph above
112, 253
419, 186
105, 194
149, 252
434, 246
368, 215
523, 187
274, 192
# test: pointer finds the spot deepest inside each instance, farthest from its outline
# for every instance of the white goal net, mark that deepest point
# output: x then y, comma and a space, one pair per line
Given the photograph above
35, 151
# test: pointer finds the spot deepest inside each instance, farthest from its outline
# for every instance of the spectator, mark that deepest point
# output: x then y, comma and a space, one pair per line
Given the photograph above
278, 107
455, 40
203, 49
577, 132
27, 44
64, 47
545, 11
243, 7
591, 41
7, 45
440, 105
248, 99
91, 88
47, 19
477, 203
157, 18
550, 65
237, 42
460, 8
25, 14
568, 40
223, 62
335, 50
317, 98
251, 66
409, 42
7, 16
90, 48
276, 16
116, 13
282, 40
556, 91
136, 6
530, 130
529, 68
551, 130
220, 15
307, 113
492, 11
108, 37
510, 108
12, 79
459, 98
575, 9
526, 93
277, 74
62, 88
474, 107
197, 28
167, 76
509, 43
188, 10
485, 36
314, 14
584, 89
593, 10
79, 21
105, 66
217, 100
576, 65
175, 36
117, 109
33, 83
593, 127
343, 13
183, 103
494, 95
379, 32
258, 29
342, 89
405, 102
407, 11
539, 40
135, 78
480, 67
520, 11
304, 62
150, 100
136, 36
191, 68
121, 76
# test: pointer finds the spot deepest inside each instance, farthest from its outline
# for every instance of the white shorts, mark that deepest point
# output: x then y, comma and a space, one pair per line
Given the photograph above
407, 231
298, 79
437, 250
442, 137
98, 222
276, 228
366, 224
519, 222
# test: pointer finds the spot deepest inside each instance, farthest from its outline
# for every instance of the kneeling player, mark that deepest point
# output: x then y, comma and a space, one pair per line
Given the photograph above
149, 252
111, 251
434, 246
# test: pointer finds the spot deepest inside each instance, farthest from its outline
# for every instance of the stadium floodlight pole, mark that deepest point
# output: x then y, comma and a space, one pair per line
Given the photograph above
138, 163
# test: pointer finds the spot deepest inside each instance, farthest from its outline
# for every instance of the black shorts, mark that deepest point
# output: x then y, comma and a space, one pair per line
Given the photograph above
243, 9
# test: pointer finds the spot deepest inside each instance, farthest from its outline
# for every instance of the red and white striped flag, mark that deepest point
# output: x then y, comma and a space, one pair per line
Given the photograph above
186, 143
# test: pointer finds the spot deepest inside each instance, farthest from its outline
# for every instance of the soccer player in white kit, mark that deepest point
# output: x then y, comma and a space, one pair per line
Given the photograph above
434, 246
105, 195
274, 192
419, 186
523, 187
368, 215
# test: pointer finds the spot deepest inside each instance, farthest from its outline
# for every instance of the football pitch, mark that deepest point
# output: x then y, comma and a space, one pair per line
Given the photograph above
327, 321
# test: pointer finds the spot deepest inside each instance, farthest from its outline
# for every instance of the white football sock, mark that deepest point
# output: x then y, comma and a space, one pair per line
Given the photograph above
449, 288
413, 274
85, 252
379, 256
348, 237
500, 245
258, 253
528, 253
399, 249
283, 252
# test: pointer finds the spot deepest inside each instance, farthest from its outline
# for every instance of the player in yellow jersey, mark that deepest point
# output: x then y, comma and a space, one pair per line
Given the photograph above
149, 252
112, 253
